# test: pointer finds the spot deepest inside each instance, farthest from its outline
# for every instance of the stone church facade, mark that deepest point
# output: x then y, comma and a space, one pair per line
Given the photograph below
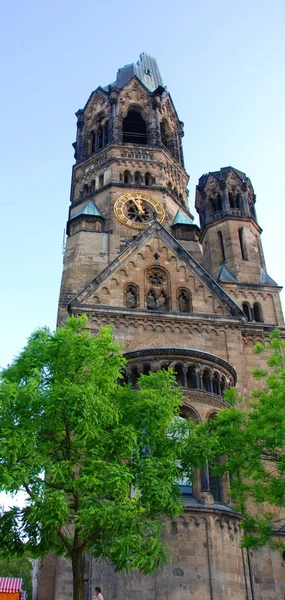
196, 299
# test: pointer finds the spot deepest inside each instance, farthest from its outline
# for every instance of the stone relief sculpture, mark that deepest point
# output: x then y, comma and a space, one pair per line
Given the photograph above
157, 289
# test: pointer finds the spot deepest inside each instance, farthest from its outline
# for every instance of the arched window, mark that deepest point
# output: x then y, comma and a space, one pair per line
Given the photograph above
165, 133
169, 185
238, 201
127, 177
157, 289
257, 313
92, 142
206, 380
131, 295
100, 138
219, 202
222, 248
180, 198
85, 189
146, 369
101, 180
106, 133
247, 310
242, 243
191, 378
175, 192
215, 482
147, 179
178, 369
184, 300
212, 204
231, 200
134, 128
216, 384
93, 185
137, 178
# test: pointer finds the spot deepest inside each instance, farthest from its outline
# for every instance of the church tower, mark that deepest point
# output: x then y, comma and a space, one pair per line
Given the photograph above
196, 299
230, 236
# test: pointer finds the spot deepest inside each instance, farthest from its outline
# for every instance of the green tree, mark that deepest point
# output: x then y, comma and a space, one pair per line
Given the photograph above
253, 444
14, 566
98, 461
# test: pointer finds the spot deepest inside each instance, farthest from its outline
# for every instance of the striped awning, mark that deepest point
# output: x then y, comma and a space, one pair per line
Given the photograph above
10, 585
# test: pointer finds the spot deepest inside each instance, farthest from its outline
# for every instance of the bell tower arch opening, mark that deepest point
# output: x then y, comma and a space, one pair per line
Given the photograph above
134, 128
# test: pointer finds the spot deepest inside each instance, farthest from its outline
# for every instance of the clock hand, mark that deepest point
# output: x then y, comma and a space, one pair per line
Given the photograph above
138, 204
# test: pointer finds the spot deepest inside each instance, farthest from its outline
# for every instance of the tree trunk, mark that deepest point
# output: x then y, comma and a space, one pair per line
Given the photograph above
77, 574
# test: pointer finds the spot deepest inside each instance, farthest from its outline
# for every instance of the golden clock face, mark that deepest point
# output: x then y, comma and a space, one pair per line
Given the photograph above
138, 210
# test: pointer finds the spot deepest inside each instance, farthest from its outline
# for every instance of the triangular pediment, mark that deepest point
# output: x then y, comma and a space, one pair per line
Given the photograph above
133, 275
97, 107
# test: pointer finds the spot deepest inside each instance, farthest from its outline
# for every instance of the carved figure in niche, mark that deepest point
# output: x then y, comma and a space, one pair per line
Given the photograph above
151, 300
157, 293
131, 296
184, 301
162, 301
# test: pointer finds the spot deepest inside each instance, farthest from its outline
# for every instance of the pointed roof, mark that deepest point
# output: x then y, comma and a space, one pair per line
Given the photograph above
226, 275
141, 240
182, 219
221, 175
89, 208
265, 279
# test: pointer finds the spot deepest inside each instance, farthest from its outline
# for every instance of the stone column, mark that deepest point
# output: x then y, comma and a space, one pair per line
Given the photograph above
156, 106
184, 376
81, 146
112, 120
225, 197
244, 198
205, 481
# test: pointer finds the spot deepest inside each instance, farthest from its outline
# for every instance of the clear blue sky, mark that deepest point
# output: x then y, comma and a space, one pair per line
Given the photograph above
223, 63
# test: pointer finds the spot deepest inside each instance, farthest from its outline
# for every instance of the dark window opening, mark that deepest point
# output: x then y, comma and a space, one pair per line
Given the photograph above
215, 486
220, 236
137, 178
216, 384
219, 202
242, 243
206, 381
191, 378
146, 369
101, 180
231, 200
134, 128
179, 374
147, 179
257, 314
93, 142
213, 207
100, 138
247, 311
127, 177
